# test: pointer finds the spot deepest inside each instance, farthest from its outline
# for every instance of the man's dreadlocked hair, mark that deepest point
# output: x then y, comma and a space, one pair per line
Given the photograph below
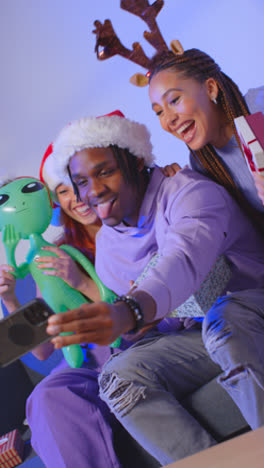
127, 163
198, 65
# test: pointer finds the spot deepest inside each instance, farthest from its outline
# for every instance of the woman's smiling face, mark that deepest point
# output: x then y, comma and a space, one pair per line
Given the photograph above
78, 211
185, 108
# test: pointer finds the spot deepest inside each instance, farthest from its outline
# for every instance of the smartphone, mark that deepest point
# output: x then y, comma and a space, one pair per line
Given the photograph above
23, 330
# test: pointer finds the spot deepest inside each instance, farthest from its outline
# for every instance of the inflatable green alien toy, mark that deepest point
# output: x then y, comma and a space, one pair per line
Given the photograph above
25, 213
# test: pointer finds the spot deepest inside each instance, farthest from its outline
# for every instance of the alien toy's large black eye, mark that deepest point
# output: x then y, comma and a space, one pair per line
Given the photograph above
3, 198
32, 187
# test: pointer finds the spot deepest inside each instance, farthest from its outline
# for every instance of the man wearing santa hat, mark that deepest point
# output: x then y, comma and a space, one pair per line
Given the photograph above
189, 221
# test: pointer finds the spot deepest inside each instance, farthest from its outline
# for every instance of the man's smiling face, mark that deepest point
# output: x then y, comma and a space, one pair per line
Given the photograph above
101, 184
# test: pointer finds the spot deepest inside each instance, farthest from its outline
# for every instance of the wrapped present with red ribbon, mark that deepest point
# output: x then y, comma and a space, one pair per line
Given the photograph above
11, 449
250, 129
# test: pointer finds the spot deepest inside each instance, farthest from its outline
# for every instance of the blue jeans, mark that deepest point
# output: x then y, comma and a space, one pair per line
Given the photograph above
143, 387
233, 333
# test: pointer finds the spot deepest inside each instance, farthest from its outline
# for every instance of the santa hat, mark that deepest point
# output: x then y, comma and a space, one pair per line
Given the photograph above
48, 172
98, 132
48, 175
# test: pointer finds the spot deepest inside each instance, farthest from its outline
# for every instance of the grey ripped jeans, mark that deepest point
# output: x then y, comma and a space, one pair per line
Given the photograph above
143, 387
233, 333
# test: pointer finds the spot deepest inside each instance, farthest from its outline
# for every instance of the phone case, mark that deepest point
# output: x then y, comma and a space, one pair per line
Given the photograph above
23, 330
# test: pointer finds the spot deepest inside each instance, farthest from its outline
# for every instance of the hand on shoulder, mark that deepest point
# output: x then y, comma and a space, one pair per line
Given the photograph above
171, 169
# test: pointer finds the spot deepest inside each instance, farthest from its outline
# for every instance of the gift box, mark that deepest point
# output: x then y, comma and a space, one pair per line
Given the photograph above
250, 130
11, 449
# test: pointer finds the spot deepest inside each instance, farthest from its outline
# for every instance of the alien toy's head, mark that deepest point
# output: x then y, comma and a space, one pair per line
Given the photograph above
25, 203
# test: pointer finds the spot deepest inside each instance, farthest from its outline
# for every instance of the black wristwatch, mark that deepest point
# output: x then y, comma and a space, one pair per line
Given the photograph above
135, 309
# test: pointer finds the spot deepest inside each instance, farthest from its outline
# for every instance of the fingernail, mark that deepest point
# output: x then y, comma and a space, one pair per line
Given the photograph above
53, 329
57, 342
53, 319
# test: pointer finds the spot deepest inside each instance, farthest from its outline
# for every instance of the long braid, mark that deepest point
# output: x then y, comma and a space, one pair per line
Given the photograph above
196, 64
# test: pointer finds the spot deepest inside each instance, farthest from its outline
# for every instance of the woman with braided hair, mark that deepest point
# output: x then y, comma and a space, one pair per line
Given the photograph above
197, 103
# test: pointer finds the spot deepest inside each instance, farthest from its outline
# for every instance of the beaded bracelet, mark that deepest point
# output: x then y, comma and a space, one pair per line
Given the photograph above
135, 309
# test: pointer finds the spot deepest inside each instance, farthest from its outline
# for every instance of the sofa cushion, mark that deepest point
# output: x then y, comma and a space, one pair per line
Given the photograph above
216, 411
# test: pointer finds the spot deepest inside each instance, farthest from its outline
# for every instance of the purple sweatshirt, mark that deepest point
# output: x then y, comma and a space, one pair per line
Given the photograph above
190, 221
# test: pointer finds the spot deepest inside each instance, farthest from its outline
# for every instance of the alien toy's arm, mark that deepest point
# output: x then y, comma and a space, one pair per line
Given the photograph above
106, 294
10, 239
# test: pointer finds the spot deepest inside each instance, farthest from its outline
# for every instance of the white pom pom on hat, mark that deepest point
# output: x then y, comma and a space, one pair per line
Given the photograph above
100, 132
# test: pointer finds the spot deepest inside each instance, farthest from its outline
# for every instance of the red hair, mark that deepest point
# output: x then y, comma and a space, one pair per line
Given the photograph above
76, 235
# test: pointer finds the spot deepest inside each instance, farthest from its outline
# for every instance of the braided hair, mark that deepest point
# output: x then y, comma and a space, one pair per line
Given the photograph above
194, 63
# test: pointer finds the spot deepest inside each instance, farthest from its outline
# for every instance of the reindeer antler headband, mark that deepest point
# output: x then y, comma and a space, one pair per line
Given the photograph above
111, 45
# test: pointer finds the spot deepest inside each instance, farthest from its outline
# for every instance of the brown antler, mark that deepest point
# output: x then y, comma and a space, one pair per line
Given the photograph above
110, 43
107, 38
147, 13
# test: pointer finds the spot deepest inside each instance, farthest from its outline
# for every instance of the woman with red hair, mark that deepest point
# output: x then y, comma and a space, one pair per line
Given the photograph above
80, 225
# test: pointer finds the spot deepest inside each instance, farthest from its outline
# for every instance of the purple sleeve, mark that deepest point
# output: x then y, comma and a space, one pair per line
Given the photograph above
197, 232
